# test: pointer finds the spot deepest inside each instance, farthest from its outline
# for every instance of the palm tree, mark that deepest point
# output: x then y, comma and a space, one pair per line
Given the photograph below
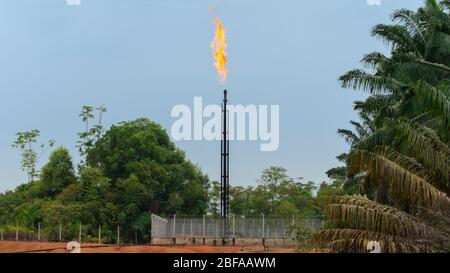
352, 137
405, 155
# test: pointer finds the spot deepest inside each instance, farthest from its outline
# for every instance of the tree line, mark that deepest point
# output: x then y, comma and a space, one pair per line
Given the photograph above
399, 153
127, 172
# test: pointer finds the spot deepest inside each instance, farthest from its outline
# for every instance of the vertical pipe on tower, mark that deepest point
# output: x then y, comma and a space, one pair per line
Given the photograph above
224, 147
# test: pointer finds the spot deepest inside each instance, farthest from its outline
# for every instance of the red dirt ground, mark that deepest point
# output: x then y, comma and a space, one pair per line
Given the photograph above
44, 247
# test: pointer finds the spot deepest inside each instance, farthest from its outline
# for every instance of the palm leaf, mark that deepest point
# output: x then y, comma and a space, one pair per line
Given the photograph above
375, 84
358, 212
402, 178
356, 241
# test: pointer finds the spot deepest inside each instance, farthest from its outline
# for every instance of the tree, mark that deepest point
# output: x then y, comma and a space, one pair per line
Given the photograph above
403, 161
214, 199
141, 150
90, 135
86, 115
327, 192
274, 176
57, 174
277, 196
131, 171
24, 141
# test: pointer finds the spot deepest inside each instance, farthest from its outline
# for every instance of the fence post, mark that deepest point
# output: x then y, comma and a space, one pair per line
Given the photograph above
118, 235
182, 228
1, 235
39, 232
216, 235
263, 226
192, 234
60, 231
204, 227
293, 228
135, 237
17, 231
263, 232
174, 228
79, 234
253, 229
234, 231
243, 230
99, 234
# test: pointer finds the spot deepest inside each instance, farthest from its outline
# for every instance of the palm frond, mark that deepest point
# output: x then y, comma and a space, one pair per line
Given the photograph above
424, 144
375, 84
358, 212
356, 241
411, 22
376, 60
433, 99
349, 136
402, 176
397, 36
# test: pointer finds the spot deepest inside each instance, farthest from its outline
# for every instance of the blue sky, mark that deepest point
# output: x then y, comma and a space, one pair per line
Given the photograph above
142, 57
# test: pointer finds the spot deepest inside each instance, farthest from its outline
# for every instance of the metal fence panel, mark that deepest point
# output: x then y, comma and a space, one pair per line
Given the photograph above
237, 227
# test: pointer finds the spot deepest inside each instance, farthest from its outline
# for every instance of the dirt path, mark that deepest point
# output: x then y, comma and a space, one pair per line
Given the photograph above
44, 247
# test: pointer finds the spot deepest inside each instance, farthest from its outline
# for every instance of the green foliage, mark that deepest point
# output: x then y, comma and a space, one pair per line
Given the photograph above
327, 192
277, 195
400, 156
24, 142
131, 171
139, 156
57, 174
274, 176
91, 134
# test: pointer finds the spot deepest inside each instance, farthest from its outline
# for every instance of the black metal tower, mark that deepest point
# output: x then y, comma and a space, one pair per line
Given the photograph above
224, 167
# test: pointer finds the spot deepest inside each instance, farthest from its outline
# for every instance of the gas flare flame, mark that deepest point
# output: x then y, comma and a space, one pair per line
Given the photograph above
219, 45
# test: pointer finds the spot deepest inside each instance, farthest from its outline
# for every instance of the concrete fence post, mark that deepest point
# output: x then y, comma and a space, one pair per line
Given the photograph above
118, 235
183, 228
244, 231
99, 234
216, 233
60, 231
263, 232
192, 230
204, 228
135, 237
1, 235
79, 234
234, 231
253, 229
174, 228
294, 235
39, 232
263, 225
17, 231
234, 227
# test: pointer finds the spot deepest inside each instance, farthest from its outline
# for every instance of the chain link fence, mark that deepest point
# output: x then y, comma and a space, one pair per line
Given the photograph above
235, 228
170, 230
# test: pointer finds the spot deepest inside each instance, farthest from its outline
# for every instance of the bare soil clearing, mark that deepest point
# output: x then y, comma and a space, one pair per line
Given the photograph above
45, 247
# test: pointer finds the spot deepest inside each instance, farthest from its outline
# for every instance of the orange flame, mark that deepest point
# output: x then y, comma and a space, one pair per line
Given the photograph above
219, 45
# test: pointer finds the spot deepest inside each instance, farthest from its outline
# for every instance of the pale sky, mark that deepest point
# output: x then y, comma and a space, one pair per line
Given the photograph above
142, 57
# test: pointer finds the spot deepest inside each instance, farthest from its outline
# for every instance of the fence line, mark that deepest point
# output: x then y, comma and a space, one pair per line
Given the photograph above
235, 227
205, 228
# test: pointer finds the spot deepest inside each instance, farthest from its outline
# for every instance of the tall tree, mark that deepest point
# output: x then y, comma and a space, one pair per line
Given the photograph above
405, 157
58, 173
25, 142
140, 153
274, 176
90, 134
